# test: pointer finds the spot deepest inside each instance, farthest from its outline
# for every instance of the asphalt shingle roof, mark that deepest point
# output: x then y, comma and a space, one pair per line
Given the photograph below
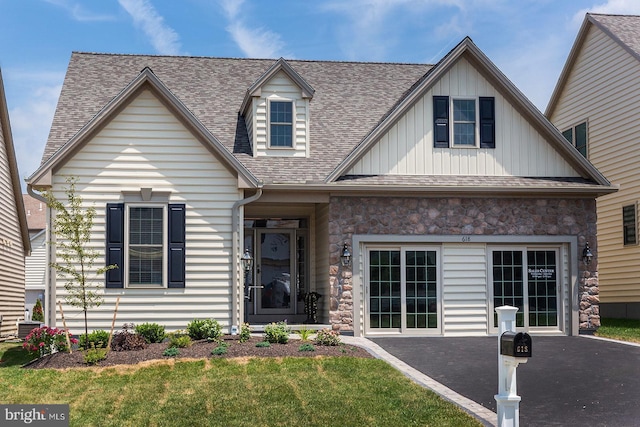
624, 27
350, 99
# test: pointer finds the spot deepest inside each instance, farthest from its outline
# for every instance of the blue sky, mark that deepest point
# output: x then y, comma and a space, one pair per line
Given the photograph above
527, 39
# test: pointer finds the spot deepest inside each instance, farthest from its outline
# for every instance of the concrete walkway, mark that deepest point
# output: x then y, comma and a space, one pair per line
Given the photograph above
569, 381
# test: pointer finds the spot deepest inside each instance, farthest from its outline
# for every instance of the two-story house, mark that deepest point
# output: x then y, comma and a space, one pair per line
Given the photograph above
414, 199
595, 105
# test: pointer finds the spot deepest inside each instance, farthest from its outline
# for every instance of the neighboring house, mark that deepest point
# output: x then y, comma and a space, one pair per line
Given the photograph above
595, 104
36, 263
451, 190
14, 235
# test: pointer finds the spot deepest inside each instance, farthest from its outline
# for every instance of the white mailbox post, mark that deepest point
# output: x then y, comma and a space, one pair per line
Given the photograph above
507, 399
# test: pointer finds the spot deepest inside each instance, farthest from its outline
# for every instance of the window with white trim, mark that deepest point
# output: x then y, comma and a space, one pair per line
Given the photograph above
577, 136
464, 122
146, 242
281, 124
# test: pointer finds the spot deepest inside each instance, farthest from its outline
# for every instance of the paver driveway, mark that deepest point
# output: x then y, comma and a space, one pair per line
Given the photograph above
569, 381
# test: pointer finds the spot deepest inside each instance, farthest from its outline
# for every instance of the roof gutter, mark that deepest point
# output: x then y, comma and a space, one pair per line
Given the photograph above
236, 287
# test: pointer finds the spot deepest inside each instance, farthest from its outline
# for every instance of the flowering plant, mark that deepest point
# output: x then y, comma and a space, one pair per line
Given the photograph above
46, 340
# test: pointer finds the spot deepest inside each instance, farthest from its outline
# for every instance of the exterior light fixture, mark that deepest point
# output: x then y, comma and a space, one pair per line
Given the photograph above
247, 260
345, 256
587, 255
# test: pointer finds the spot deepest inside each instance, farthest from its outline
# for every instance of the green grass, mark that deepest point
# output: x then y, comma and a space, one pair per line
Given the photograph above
620, 329
227, 392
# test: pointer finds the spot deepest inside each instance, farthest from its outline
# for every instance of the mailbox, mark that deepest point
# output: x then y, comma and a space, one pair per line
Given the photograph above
515, 344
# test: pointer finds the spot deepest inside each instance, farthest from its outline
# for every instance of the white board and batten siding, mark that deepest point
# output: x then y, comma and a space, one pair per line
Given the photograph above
603, 89
279, 88
145, 146
11, 251
407, 147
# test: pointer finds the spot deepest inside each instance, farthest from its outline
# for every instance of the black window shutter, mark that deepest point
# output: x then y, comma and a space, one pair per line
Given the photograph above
115, 245
441, 121
487, 122
176, 245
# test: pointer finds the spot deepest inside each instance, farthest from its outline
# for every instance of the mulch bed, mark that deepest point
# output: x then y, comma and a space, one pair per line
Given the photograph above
199, 350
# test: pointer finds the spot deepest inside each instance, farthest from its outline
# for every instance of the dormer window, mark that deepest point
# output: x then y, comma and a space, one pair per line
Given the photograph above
281, 124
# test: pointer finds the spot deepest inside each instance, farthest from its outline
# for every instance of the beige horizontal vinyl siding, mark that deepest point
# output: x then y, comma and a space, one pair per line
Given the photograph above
145, 146
281, 88
603, 88
36, 263
11, 251
407, 148
464, 289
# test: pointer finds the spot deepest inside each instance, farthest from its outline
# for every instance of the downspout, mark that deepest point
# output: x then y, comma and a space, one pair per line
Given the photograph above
236, 293
49, 297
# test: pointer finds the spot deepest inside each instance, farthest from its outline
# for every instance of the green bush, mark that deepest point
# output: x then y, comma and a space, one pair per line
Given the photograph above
171, 352
200, 329
179, 340
96, 339
38, 314
152, 332
245, 332
263, 344
307, 347
220, 349
277, 333
327, 337
305, 333
95, 355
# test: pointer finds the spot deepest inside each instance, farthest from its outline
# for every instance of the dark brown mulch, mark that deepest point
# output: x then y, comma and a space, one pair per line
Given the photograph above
199, 350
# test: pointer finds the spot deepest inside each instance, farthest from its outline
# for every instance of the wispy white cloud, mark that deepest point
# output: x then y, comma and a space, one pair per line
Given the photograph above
79, 13
256, 42
615, 7
162, 37
31, 117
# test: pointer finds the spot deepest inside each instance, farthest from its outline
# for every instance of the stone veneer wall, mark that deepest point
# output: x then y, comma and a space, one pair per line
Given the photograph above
459, 216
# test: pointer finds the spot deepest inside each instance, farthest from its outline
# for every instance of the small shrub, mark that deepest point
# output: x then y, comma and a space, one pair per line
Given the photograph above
95, 355
171, 352
46, 340
245, 332
125, 340
305, 333
277, 333
327, 337
220, 349
38, 314
95, 339
307, 347
263, 344
152, 332
179, 340
200, 329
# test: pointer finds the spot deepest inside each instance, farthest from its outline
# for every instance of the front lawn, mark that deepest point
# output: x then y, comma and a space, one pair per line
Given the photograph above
620, 329
340, 391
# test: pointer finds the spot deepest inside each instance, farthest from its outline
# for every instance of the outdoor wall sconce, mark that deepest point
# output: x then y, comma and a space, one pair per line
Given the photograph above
246, 260
345, 256
587, 255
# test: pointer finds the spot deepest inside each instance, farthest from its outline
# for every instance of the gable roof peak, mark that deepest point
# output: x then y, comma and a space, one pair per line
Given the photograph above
280, 64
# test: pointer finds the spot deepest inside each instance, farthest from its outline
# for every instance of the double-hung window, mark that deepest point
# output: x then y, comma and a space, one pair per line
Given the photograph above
464, 122
147, 243
577, 136
629, 225
281, 124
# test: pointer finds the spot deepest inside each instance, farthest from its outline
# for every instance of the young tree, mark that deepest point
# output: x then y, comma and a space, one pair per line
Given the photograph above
72, 227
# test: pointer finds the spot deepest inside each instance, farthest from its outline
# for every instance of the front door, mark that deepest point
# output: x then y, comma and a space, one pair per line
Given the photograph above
274, 272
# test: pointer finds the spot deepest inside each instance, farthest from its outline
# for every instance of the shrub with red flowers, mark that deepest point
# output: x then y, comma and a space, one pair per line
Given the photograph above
46, 340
